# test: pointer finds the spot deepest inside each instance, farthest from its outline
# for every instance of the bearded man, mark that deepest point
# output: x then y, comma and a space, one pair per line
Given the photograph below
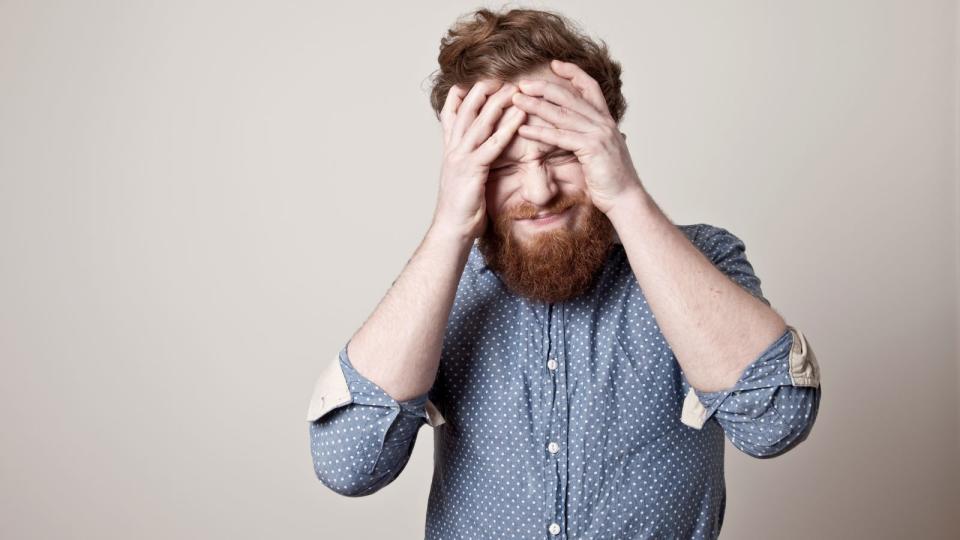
579, 357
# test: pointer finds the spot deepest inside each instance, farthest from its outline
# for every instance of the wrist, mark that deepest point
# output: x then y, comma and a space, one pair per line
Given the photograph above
633, 202
448, 236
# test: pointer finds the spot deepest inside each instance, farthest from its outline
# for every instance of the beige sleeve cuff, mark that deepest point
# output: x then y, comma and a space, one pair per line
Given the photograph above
804, 371
331, 391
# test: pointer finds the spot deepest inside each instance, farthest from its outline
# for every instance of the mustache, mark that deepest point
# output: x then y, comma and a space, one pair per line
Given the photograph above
527, 210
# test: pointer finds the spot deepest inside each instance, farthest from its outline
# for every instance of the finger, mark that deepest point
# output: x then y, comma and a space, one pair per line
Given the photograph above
564, 138
471, 104
487, 119
561, 96
583, 82
493, 146
449, 111
562, 117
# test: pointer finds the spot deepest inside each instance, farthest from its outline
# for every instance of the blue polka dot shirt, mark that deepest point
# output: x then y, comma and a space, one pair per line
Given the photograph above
567, 420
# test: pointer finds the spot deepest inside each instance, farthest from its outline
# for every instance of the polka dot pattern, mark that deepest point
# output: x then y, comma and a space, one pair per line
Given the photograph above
563, 420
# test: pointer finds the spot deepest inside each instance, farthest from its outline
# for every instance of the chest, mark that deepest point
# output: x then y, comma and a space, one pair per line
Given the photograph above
599, 367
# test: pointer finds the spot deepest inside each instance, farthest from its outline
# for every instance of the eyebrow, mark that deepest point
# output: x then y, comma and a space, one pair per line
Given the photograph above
502, 162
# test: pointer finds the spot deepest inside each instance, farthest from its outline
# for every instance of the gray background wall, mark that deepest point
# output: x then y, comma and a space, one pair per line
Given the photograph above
201, 201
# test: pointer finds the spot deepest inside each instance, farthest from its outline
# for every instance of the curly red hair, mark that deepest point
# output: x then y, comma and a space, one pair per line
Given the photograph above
504, 45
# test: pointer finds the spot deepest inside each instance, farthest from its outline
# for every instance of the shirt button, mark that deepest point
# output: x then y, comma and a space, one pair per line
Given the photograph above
553, 447
552, 364
554, 529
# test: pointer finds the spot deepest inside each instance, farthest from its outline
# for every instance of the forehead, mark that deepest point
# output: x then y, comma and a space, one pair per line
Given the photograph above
520, 147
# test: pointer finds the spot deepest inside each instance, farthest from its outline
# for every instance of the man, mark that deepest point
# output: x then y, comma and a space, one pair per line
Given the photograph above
579, 356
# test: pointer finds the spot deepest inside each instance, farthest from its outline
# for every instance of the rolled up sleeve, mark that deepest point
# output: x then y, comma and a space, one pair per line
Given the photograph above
360, 437
773, 405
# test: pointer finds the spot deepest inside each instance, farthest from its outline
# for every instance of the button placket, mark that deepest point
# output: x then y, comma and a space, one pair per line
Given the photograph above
553, 426
557, 424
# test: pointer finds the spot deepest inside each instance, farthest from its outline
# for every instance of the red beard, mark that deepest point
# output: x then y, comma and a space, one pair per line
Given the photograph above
555, 265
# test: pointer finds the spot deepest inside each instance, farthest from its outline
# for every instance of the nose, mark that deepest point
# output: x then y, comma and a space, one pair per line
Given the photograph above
539, 187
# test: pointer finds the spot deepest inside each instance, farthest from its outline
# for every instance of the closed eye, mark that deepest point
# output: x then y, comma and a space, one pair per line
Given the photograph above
563, 157
559, 157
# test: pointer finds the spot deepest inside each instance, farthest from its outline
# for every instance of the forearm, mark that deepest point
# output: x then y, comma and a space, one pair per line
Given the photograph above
714, 327
398, 347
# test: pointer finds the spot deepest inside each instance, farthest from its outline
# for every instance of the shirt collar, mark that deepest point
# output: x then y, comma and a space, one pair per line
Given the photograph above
476, 259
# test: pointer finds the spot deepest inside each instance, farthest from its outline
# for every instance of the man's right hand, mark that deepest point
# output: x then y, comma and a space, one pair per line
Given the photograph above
469, 149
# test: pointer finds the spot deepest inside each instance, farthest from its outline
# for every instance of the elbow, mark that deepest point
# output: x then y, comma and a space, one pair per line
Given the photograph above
787, 433
338, 465
344, 481
767, 451
353, 470
352, 482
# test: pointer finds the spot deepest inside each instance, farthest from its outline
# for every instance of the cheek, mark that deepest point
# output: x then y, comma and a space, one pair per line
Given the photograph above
571, 173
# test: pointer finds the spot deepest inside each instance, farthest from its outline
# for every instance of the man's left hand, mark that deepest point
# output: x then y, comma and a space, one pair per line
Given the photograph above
584, 126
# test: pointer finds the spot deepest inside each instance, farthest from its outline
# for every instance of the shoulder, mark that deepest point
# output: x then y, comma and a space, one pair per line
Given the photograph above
714, 241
